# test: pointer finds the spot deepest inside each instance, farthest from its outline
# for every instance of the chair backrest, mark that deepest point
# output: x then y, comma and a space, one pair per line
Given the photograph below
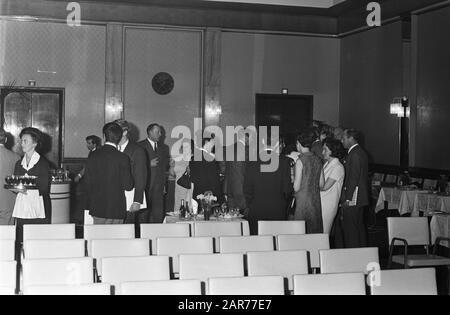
330, 284
279, 263
49, 232
153, 231
352, 260
164, 287
7, 232
216, 229
312, 243
244, 244
175, 246
84, 289
8, 272
67, 271
403, 282
205, 266
415, 231
117, 270
7, 291
267, 285
109, 231
281, 227
118, 248
47, 249
7, 250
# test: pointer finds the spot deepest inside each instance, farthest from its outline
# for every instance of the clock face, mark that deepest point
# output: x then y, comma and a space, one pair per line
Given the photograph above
163, 83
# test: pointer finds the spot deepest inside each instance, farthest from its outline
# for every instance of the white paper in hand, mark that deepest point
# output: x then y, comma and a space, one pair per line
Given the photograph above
129, 196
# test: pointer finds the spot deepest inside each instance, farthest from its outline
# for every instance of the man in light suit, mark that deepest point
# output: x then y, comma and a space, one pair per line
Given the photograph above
8, 160
138, 161
108, 176
157, 165
355, 194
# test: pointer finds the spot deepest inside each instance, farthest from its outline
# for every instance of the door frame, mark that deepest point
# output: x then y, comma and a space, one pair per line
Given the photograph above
258, 96
5, 90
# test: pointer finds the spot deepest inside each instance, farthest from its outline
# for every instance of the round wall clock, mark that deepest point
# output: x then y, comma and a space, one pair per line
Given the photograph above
163, 83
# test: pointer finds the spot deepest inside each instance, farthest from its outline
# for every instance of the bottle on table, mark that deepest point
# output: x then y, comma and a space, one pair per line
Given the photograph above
182, 210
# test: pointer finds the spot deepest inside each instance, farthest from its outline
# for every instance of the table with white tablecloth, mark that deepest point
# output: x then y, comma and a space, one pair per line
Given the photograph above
430, 202
214, 219
398, 198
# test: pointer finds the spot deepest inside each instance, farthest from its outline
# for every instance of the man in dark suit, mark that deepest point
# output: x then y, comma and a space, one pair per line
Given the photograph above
157, 164
92, 143
355, 194
267, 192
108, 176
138, 162
236, 157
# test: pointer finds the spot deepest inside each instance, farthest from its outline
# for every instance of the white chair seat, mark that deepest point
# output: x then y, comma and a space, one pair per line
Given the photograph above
48, 232
7, 232
67, 271
422, 260
312, 243
7, 291
244, 244
175, 246
404, 282
117, 270
86, 289
203, 267
109, 231
118, 248
8, 272
330, 284
268, 285
7, 250
279, 263
154, 231
281, 227
352, 260
47, 249
216, 230
165, 287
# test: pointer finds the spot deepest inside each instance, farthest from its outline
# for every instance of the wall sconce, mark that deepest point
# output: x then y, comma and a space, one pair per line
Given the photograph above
284, 91
400, 107
31, 82
213, 109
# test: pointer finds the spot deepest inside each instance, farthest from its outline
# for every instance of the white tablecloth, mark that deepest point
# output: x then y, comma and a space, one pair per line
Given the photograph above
440, 227
426, 202
400, 199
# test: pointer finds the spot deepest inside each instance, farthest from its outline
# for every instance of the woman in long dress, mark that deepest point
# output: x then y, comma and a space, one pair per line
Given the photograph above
27, 209
205, 173
334, 173
309, 179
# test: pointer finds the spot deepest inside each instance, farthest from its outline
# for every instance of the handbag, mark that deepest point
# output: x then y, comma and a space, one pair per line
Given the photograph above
185, 180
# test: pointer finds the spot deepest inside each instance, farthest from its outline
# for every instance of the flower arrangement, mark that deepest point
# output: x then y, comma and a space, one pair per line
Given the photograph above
207, 198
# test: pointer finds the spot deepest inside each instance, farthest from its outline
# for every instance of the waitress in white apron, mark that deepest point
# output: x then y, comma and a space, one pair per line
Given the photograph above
32, 206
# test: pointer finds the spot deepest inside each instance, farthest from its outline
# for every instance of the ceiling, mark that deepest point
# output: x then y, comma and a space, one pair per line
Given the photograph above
325, 4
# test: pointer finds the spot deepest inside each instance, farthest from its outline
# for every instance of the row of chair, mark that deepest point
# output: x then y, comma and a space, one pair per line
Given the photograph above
149, 276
